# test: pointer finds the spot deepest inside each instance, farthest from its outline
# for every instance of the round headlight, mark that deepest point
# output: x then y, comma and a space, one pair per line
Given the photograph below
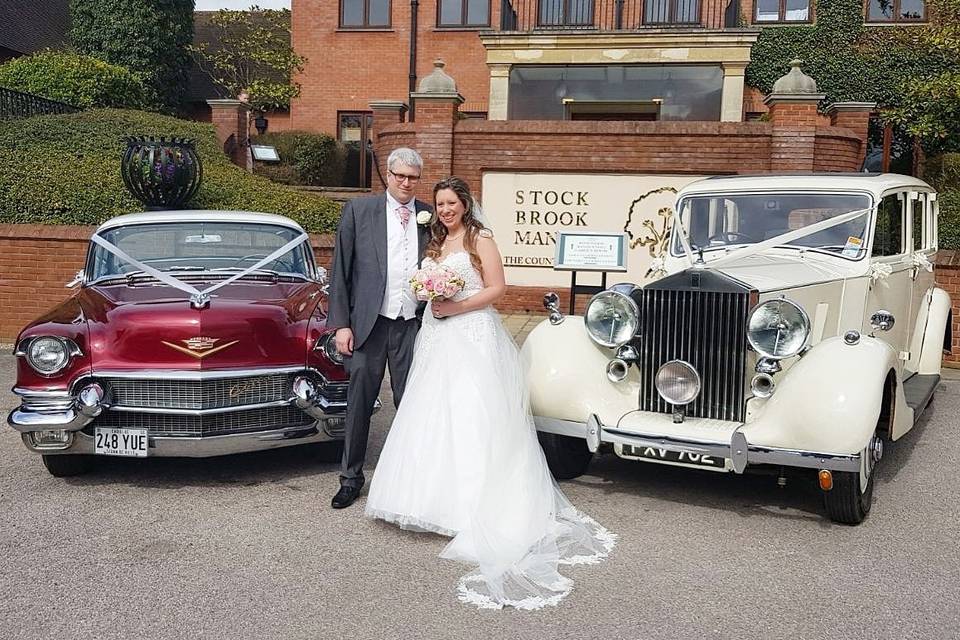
611, 318
778, 328
48, 355
678, 382
329, 346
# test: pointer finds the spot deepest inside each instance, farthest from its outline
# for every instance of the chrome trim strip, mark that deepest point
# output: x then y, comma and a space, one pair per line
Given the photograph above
55, 393
200, 412
69, 420
179, 374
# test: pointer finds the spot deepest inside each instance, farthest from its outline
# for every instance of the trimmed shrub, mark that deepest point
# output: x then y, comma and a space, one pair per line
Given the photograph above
65, 169
77, 80
149, 37
314, 159
943, 173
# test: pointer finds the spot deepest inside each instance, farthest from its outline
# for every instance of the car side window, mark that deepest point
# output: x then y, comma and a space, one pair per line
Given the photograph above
918, 221
888, 237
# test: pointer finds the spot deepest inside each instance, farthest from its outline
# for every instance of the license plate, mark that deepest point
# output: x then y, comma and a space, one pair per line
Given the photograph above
121, 442
680, 457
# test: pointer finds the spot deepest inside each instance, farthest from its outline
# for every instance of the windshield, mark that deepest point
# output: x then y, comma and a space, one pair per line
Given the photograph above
211, 247
720, 221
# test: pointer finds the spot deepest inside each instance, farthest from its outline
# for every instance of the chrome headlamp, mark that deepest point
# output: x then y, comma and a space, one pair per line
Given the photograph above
48, 355
612, 318
778, 328
678, 382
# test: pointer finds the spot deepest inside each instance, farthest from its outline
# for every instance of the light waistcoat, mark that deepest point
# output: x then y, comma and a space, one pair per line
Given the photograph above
402, 254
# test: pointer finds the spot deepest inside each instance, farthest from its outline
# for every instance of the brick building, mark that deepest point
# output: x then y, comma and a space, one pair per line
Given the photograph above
545, 60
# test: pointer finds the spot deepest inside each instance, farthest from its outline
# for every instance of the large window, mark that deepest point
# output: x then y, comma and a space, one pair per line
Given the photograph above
635, 92
463, 13
364, 14
896, 10
888, 237
671, 11
782, 11
565, 13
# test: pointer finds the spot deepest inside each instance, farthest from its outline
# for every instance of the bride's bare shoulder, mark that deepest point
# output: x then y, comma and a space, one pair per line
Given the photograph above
486, 233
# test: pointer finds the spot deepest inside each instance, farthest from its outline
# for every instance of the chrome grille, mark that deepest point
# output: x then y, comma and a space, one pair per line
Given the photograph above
195, 426
705, 328
199, 394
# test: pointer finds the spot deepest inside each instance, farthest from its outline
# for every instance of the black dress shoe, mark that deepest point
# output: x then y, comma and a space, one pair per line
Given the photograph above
345, 497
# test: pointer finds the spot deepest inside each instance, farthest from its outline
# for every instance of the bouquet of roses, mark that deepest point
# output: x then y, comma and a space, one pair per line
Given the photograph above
436, 283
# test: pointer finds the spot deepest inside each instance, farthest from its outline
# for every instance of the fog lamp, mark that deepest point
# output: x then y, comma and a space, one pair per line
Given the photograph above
51, 439
678, 382
304, 389
90, 400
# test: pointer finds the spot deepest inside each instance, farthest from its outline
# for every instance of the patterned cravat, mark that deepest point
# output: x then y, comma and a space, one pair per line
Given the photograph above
404, 214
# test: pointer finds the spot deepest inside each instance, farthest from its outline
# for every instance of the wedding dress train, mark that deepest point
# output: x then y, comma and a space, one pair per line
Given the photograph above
462, 459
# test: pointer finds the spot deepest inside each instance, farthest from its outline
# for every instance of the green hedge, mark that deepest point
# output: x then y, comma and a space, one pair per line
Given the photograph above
943, 173
313, 159
77, 80
65, 169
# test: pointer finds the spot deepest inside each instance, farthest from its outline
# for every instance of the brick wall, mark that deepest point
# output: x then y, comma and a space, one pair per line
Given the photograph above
32, 282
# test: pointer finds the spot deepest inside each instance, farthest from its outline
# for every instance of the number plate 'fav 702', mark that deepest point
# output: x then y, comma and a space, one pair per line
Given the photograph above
121, 442
677, 457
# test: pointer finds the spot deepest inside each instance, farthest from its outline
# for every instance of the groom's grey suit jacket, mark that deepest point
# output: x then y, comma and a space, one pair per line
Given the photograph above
359, 275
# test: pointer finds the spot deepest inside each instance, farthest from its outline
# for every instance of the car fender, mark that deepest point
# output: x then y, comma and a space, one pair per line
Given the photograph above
830, 399
938, 314
566, 375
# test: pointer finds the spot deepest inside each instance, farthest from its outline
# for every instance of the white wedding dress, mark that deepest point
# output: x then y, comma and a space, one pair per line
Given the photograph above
462, 459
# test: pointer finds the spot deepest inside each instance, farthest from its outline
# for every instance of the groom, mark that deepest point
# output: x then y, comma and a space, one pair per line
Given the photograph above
379, 247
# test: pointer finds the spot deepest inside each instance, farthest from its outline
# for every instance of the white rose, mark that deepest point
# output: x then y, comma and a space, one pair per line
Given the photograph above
424, 217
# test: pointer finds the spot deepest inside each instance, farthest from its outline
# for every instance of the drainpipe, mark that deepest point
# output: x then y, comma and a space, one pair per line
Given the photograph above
414, 5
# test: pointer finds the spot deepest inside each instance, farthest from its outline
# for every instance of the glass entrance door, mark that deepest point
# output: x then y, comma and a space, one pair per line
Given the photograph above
354, 132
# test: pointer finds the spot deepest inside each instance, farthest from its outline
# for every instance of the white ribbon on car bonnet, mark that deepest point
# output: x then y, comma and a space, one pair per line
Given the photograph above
198, 298
783, 238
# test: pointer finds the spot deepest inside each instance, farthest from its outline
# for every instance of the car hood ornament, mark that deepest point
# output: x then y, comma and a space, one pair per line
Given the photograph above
200, 346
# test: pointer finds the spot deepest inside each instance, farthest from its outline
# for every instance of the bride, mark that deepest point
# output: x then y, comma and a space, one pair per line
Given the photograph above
462, 457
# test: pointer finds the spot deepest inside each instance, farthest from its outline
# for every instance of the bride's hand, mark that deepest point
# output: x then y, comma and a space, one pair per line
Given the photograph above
444, 308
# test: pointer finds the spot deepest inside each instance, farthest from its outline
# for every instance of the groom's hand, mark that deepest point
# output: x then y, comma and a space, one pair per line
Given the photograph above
343, 339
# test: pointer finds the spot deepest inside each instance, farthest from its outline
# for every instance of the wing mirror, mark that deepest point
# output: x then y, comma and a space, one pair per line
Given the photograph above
882, 320
78, 279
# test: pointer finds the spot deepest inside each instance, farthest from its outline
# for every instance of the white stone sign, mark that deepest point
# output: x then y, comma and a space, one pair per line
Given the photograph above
526, 212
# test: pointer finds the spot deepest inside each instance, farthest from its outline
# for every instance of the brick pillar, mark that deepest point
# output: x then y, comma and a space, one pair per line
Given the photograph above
231, 119
386, 113
856, 117
794, 119
438, 110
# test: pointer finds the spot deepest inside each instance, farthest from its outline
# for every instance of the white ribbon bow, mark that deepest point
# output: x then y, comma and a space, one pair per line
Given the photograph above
920, 261
198, 298
879, 271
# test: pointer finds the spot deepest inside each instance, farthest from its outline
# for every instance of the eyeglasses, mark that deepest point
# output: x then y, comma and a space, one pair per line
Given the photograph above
401, 177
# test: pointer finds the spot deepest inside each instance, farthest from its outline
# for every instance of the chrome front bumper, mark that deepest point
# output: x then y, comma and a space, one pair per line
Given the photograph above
737, 450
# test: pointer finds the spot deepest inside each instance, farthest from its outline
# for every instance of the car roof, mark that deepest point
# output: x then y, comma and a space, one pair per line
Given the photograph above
198, 215
876, 183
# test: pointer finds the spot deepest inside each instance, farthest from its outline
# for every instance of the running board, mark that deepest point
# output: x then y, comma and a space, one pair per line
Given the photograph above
918, 391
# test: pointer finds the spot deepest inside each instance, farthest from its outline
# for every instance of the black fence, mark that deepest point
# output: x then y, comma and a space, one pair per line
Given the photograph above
15, 104
605, 15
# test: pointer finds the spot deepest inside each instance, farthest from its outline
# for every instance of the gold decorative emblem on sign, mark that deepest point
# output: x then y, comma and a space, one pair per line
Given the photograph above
200, 346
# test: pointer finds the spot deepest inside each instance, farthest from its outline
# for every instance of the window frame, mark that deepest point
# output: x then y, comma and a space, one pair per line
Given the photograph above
464, 4
895, 19
366, 26
671, 15
782, 12
902, 198
566, 11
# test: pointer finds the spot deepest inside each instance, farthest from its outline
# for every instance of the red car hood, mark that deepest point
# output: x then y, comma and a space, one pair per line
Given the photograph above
153, 326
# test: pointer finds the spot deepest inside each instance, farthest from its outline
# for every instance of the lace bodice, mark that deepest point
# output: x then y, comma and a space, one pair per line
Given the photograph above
459, 261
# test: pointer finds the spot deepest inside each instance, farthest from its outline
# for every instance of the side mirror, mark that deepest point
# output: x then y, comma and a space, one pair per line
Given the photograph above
78, 279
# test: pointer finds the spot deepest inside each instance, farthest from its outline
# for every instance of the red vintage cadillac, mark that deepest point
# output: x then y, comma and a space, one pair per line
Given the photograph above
191, 333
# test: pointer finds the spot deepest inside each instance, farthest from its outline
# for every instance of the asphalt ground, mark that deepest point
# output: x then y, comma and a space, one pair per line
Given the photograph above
248, 547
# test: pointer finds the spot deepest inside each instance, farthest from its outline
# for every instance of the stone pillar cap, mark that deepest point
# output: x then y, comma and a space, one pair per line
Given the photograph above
227, 102
853, 106
795, 81
438, 81
388, 105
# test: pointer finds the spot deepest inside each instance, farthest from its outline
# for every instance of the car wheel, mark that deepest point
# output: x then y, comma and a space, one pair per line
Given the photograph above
63, 466
852, 495
567, 457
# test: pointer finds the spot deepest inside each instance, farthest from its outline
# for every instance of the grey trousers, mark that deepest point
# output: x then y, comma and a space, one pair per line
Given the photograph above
390, 342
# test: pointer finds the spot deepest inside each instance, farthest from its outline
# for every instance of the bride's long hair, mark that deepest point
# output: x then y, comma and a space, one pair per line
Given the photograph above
472, 226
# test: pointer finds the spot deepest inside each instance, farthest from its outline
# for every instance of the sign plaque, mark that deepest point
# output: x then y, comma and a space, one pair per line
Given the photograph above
591, 251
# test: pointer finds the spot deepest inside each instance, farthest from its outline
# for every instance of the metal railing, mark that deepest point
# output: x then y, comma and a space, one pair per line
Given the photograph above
599, 15
16, 104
